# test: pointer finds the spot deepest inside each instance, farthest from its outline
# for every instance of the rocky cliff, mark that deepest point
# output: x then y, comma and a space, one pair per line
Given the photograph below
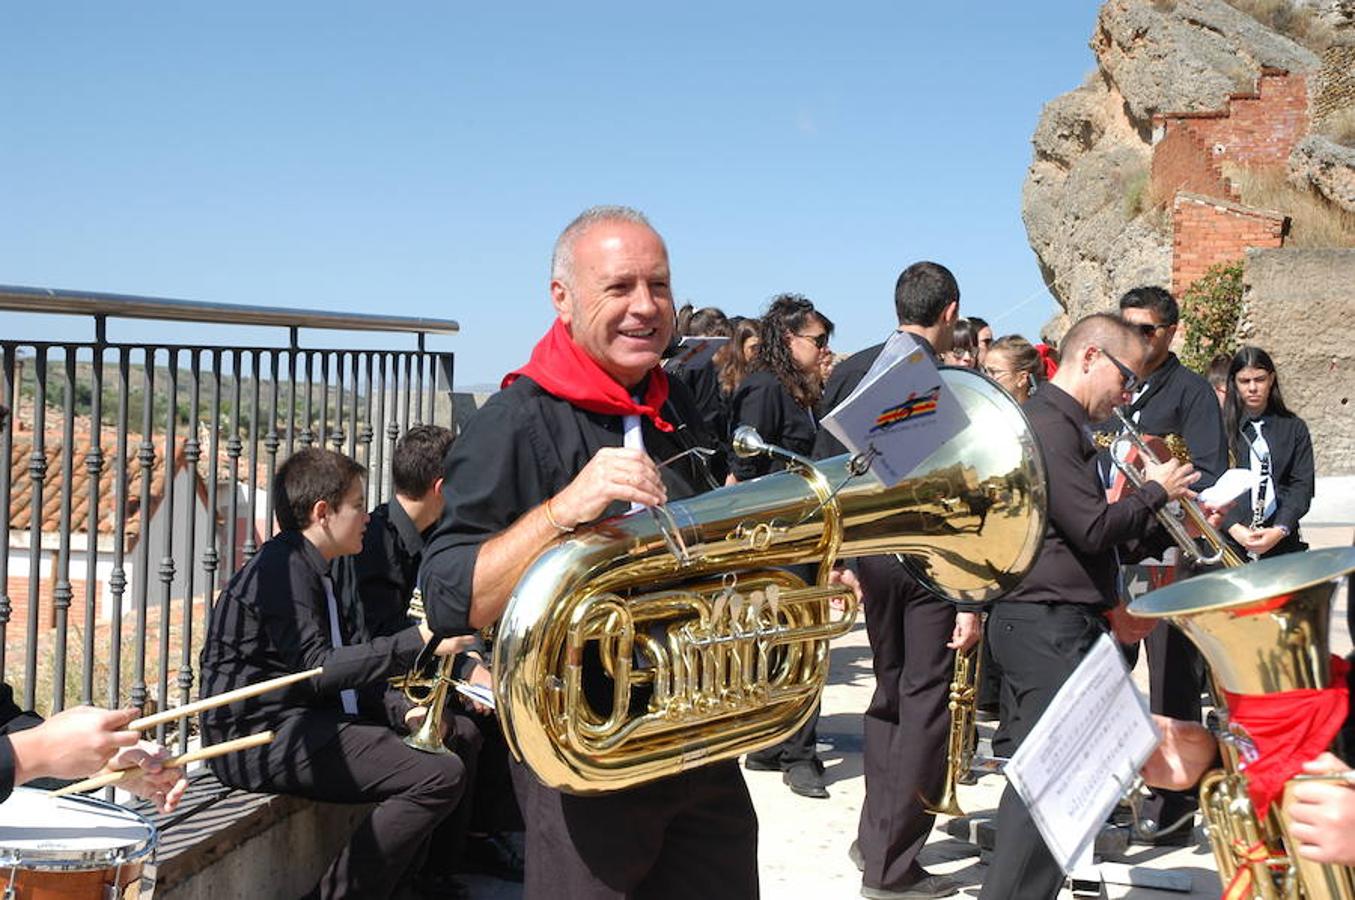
1086, 202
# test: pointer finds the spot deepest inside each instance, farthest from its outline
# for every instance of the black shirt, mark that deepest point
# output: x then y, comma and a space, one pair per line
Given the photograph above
523, 446
764, 403
1078, 561
1291, 470
1179, 401
12, 719
375, 585
703, 382
273, 619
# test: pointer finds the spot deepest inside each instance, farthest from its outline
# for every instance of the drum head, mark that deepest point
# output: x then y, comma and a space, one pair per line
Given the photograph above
39, 831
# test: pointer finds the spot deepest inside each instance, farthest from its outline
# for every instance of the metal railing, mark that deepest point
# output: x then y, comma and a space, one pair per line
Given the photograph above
176, 446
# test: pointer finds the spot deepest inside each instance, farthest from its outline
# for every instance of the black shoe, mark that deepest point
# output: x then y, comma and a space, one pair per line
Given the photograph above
854, 854
806, 779
492, 855
928, 887
754, 763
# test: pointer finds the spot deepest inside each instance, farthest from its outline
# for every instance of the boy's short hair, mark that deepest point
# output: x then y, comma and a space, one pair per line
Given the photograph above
307, 477
417, 460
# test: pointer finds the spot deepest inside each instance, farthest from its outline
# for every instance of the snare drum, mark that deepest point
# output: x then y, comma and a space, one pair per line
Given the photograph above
70, 847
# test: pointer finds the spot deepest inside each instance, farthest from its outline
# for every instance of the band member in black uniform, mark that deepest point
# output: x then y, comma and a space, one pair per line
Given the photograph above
912, 636
374, 588
1041, 630
574, 437
778, 398
337, 735
1172, 399
1265, 436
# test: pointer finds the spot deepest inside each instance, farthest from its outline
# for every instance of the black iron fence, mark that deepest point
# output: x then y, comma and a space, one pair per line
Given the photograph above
136, 477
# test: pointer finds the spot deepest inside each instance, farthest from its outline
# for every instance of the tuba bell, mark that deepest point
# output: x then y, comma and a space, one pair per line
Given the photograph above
1263, 628
675, 636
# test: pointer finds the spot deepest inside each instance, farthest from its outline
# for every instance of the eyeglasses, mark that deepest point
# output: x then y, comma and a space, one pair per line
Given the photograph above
1147, 329
820, 340
997, 373
1131, 381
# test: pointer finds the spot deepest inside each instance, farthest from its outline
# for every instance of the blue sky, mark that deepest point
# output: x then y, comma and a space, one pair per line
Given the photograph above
420, 158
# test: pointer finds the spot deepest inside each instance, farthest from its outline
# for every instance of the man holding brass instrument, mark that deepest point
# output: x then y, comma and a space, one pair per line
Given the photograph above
1171, 400
1042, 629
336, 735
573, 437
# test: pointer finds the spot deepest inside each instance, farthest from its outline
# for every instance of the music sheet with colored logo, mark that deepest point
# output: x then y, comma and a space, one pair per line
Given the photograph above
900, 413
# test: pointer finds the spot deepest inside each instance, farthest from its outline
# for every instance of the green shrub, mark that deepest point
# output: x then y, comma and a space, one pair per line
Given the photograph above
1211, 309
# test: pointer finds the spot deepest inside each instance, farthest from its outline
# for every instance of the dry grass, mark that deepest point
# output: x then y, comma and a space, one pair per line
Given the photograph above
1136, 192
74, 686
1340, 127
1296, 21
1314, 223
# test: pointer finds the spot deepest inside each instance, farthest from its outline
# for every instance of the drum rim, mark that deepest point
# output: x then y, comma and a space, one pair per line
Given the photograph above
70, 860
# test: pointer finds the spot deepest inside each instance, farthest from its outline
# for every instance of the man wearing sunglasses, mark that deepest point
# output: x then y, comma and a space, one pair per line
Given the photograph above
1170, 400
1042, 629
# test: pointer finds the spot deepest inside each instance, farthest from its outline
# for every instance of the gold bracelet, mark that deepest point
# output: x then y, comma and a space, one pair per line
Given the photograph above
551, 519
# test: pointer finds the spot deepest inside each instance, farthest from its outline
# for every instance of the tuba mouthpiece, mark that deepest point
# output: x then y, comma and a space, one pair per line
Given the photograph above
747, 442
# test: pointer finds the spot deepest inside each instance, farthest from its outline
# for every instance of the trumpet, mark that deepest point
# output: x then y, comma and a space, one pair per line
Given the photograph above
426, 690
1131, 437
964, 697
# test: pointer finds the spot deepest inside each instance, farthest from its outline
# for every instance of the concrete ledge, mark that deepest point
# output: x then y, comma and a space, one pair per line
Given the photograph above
248, 844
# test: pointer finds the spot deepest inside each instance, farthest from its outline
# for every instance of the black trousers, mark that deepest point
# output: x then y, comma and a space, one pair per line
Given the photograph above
1176, 674
801, 746
1038, 646
691, 835
906, 723
356, 763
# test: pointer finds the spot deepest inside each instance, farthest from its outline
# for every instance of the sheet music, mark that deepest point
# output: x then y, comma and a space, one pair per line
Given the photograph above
478, 693
900, 413
1084, 753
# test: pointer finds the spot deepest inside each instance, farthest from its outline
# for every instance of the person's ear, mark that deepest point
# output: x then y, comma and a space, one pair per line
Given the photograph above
951, 312
559, 298
320, 511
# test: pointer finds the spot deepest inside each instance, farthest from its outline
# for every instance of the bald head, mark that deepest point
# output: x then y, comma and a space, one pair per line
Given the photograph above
1101, 330
1097, 354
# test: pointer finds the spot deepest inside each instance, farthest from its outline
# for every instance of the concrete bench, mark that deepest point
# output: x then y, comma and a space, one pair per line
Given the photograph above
223, 843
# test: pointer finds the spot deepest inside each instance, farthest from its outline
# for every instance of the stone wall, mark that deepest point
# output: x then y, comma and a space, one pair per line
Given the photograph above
1335, 87
1289, 295
1207, 231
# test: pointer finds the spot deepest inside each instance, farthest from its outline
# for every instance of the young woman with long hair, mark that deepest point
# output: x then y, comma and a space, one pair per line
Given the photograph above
778, 398
1265, 436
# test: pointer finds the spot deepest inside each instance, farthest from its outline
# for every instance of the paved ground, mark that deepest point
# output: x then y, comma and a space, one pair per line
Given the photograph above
803, 843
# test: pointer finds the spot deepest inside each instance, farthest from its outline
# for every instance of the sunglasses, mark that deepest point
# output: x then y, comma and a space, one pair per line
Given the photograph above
1147, 329
1131, 381
820, 340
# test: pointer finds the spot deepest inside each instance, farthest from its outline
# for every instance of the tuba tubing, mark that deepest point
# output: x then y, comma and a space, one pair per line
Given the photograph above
678, 602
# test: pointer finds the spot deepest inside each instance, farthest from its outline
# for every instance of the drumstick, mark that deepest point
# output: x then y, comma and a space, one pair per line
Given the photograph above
176, 762
244, 693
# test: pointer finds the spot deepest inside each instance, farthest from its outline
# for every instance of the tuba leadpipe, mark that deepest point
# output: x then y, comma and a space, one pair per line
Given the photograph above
1221, 552
675, 636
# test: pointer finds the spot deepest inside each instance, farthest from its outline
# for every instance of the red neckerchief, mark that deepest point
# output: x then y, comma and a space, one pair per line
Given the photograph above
563, 370
1046, 354
1288, 729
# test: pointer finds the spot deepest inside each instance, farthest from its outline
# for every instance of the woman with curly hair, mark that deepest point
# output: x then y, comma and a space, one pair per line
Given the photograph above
778, 399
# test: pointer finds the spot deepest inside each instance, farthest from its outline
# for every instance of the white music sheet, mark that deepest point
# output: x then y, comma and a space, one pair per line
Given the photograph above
1084, 753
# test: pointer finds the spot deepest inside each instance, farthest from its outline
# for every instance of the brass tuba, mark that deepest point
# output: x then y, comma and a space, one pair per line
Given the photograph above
1262, 628
674, 636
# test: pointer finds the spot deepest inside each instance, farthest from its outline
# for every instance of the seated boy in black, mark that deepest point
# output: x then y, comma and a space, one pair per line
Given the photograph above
337, 735
375, 587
